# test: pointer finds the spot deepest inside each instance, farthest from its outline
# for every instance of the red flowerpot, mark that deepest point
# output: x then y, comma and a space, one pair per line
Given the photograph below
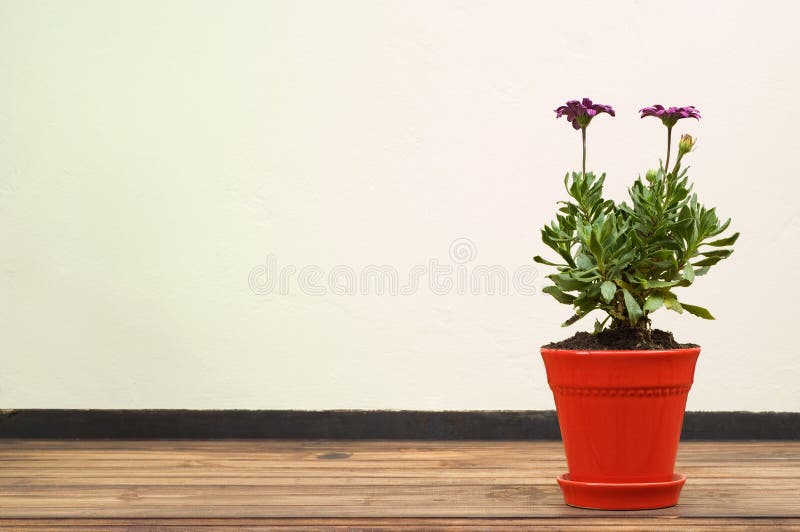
620, 414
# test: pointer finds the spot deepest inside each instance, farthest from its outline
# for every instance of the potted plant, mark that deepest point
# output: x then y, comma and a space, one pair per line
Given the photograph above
620, 391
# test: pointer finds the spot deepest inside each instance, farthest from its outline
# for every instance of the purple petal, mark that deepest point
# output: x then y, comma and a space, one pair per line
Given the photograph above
580, 113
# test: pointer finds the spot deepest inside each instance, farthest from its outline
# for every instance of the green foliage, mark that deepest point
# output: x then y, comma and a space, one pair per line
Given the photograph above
628, 259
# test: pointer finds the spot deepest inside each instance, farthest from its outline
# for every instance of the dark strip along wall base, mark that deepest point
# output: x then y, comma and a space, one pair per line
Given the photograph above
357, 424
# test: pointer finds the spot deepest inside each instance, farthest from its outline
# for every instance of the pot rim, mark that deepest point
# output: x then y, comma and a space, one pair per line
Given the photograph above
678, 351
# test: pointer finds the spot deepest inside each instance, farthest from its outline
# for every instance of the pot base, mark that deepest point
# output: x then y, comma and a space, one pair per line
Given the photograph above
619, 496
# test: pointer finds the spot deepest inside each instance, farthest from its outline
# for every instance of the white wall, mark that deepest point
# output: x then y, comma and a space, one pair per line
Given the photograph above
152, 154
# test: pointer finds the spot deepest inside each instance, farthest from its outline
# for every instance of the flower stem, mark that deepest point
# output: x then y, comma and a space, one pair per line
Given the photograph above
583, 139
677, 163
669, 145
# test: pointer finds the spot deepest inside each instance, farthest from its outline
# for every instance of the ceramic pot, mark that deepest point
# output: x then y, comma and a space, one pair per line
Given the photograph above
620, 414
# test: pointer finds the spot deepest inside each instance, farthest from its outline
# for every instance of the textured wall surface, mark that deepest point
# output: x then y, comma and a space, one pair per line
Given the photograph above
206, 204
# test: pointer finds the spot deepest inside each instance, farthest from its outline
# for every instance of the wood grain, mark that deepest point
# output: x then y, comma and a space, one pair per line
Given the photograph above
375, 485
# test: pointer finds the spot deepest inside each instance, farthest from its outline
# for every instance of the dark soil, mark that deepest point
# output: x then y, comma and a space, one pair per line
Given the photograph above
620, 339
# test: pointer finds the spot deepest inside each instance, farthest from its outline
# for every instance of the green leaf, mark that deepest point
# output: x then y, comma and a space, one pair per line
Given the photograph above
586, 276
566, 283
598, 326
653, 303
710, 261
660, 284
701, 271
634, 310
572, 320
583, 262
672, 304
595, 247
688, 273
608, 290
697, 311
722, 253
560, 296
722, 227
724, 241
566, 256
540, 260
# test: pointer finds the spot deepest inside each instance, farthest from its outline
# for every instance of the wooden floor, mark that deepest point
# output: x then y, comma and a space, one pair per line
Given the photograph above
374, 485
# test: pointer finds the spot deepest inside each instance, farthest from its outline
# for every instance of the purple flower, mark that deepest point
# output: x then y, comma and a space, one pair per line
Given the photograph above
581, 113
670, 116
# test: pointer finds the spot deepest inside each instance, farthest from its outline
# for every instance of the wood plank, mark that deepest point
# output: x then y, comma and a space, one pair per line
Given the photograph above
292, 483
381, 524
358, 501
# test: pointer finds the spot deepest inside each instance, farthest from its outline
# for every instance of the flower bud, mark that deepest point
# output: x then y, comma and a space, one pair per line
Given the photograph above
686, 144
651, 175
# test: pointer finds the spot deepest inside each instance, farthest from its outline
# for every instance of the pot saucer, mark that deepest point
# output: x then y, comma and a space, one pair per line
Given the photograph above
621, 496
